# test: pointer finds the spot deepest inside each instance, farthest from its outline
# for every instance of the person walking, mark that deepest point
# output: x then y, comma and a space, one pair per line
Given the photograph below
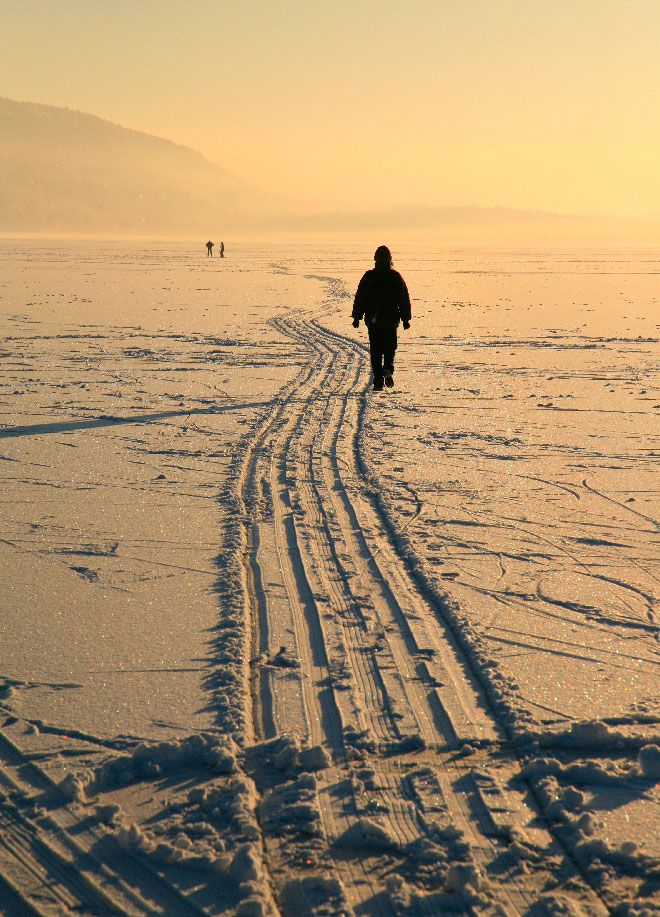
382, 299
209, 249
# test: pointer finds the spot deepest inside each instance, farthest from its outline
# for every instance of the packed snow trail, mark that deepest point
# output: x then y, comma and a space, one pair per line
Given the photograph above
353, 662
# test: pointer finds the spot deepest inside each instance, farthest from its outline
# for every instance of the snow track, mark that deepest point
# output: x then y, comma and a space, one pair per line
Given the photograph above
62, 865
345, 659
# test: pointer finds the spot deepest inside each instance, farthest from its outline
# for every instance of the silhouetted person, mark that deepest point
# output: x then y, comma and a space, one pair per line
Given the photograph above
209, 249
382, 299
222, 249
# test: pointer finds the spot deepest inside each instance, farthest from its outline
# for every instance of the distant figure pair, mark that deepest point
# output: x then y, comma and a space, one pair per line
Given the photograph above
382, 299
209, 249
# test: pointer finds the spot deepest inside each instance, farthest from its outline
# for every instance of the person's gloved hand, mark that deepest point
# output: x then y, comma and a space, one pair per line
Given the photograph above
356, 322
406, 325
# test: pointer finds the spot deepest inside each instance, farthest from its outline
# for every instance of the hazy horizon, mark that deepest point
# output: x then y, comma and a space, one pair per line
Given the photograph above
538, 106
71, 174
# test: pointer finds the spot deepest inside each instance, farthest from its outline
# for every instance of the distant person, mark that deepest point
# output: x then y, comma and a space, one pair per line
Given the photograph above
222, 249
382, 299
209, 249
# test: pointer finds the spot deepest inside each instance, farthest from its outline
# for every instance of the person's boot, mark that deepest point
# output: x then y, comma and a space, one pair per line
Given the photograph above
389, 381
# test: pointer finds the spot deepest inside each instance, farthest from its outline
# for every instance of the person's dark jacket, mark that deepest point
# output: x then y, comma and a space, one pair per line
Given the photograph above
382, 298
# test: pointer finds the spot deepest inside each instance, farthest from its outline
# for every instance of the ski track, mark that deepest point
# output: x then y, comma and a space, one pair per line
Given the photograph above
369, 680
50, 858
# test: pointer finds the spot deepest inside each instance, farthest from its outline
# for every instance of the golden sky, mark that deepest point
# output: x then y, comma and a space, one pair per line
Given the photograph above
538, 104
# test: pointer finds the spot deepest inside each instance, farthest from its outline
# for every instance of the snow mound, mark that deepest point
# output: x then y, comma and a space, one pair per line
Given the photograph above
292, 808
594, 735
461, 897
133, 839
556, 906
233, 805
414, 742
314, 896
108, 814
625, 857
72, 787
461, 876
245, 868
592, 732
152, 761
399, 893
648, 761
591, 773
367, 833
285, 754
640, 907
285, 660
245, 865
315, 758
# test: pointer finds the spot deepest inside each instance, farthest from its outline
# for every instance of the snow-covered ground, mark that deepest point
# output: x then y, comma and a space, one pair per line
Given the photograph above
275, 644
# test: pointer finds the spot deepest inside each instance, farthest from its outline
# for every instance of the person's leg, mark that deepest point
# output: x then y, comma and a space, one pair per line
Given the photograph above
389, 349
376, 352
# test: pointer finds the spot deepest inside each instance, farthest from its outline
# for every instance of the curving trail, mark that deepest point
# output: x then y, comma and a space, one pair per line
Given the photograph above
351, 655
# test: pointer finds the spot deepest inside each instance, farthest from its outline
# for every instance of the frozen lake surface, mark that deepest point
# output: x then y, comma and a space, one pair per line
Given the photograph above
273, 643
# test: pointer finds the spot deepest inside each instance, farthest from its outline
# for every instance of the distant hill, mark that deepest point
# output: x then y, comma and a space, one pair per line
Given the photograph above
64, 171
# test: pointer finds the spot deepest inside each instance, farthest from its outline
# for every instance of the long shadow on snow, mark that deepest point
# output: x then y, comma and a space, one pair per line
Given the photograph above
107, 420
